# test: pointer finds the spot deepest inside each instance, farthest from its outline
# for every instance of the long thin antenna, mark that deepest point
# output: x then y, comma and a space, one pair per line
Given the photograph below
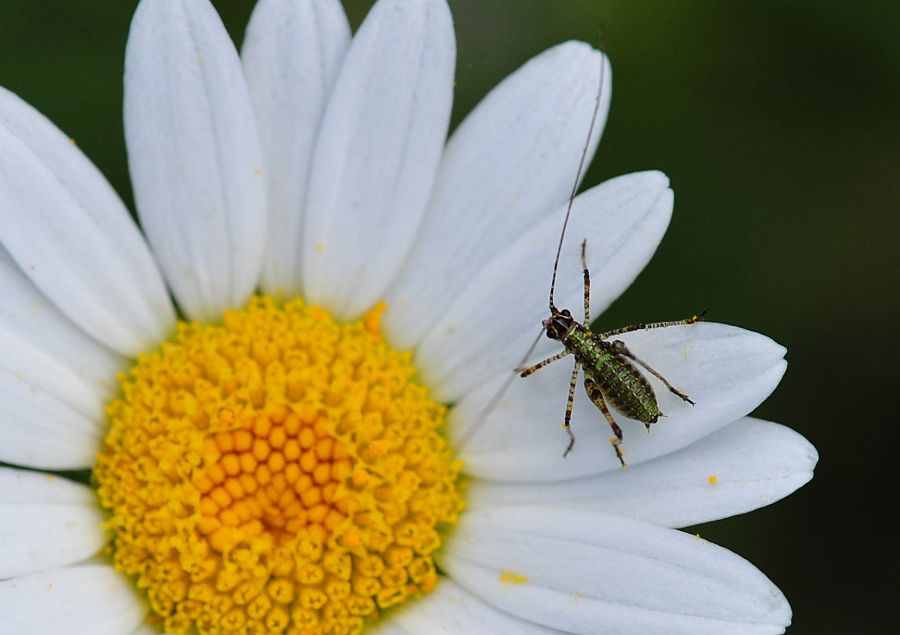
584, 152
482, 415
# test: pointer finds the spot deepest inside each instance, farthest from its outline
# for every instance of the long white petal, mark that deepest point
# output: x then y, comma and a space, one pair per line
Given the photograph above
727, 371
496, 317
292, 53
71, 235
377, 154
89, 599
585, 572
49, 416
450, 610
45, 522
54, 380
744, 466
28, 314
21, 486
512, 161
194, 155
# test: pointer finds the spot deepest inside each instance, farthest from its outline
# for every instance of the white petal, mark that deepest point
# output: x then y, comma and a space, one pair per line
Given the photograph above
20, 486
72, 236
450, 610
494, 320
49, 416
89, 599
28, 314
377, 153
39, 533
292, 53
589, 573
746, 465
512, 160
54, 380
727, 371
194, 155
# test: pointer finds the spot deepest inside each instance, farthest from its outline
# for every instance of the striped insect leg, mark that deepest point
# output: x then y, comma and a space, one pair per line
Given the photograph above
570, 403
620, 348
587, 284
652, 325
530, 370
596, 395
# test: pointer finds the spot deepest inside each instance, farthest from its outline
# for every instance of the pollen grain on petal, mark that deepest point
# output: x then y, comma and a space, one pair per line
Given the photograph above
511, 577
277, 473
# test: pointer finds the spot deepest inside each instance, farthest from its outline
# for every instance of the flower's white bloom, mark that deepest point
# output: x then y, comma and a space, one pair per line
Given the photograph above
318, 167
71, 235
194, 155
292, 54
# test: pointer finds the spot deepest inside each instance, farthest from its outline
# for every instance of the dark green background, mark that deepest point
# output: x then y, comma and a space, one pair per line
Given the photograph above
777, 123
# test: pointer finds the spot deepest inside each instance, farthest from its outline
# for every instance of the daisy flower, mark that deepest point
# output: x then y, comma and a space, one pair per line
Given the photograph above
353, 289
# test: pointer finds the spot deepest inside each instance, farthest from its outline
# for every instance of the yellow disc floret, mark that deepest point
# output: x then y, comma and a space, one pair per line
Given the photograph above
279, 473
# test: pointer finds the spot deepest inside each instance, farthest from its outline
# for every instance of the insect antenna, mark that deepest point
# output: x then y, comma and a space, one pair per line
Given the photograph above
486, 410
578, 174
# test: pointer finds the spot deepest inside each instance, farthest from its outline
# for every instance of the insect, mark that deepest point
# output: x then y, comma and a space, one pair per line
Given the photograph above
611, 373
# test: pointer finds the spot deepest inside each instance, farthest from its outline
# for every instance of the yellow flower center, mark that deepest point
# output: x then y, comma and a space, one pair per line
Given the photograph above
278, 473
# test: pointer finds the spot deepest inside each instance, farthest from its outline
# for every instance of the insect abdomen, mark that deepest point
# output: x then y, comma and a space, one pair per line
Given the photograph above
623, 386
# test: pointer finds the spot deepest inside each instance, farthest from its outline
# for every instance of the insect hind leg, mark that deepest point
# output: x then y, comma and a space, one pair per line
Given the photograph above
619, 347
593, 391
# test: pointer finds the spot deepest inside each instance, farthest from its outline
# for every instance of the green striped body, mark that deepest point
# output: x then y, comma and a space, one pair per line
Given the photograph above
612, 376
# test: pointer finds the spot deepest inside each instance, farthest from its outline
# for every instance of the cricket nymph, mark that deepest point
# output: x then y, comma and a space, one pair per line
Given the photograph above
611, 374
607, 373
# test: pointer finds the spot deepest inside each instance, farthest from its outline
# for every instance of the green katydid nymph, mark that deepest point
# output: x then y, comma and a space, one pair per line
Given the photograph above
611, 373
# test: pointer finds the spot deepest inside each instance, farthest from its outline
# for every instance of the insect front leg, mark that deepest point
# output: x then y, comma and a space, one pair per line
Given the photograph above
570, 403
618, 346
530, 370
593, 391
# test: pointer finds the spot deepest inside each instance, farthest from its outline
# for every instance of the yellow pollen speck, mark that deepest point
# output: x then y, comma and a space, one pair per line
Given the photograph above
319, 247
279, 473
372, 319
257, 171
713, 479
511, 577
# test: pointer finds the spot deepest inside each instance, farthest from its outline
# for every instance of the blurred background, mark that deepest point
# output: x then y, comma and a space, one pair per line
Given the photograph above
779, 126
